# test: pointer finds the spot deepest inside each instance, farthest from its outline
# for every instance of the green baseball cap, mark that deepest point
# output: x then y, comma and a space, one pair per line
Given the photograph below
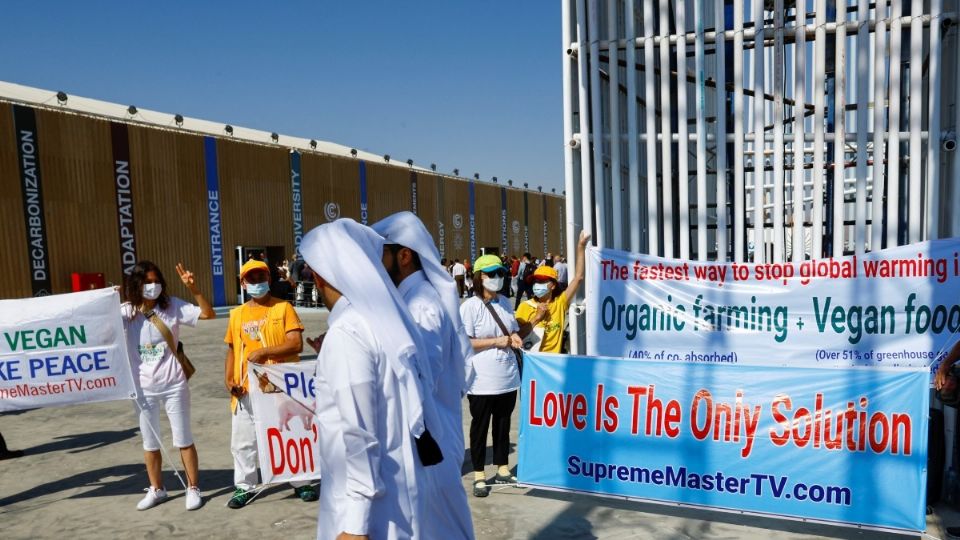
488, 263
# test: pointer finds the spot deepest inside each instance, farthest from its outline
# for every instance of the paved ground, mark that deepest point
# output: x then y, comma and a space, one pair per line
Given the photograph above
84, 474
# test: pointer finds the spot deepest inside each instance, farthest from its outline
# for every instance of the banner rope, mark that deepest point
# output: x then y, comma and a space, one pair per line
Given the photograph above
163, 450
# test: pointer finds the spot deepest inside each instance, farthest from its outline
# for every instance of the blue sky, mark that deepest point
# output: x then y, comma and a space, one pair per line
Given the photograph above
472, 85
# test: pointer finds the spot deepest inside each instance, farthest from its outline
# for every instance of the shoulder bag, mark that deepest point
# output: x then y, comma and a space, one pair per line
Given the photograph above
185, 363
503, 328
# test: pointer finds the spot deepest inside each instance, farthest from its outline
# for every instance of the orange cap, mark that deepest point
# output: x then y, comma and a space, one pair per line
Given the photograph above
252, 265
545, 272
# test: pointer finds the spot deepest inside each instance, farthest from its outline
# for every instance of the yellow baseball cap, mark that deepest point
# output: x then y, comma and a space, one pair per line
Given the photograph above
545, 272
251, 266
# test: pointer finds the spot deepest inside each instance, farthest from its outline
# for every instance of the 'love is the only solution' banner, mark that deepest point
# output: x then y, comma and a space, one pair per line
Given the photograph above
896, 307
842, 445
283, 401
63, 349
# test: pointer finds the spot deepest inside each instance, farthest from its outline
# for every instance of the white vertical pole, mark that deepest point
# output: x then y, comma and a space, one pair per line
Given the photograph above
596, 117
653, 214
665, 128
683, 140
569, 183
799, 66
819, 91
702, 132
633, 168
616, 176
933, 136
759, 246
893, 141
739, 114
586, 171
879, 100
916, 125
840, 113
863, 67
778, 151
722, 165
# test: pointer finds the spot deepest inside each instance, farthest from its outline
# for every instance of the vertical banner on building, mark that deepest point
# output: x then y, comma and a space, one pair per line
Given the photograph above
546, 248
526, 223
363, 192
563, 230
35, 223
503, 221
297, 200
473, 223
124, 189
214, 221
441, 230
413, 192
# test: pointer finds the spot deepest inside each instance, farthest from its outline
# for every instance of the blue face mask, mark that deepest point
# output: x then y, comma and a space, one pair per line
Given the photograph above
257, 290
540, 289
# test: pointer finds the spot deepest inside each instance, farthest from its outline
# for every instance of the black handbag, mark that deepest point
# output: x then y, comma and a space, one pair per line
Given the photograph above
503, 328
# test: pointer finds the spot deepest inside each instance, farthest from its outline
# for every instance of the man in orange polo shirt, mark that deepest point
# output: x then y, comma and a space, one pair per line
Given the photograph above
263, 330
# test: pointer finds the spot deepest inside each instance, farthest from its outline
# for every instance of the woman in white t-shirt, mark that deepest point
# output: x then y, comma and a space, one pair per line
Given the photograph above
492, 393
158, 373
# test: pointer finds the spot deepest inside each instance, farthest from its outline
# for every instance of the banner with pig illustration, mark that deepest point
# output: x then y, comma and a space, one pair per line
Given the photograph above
892, 307
283, 399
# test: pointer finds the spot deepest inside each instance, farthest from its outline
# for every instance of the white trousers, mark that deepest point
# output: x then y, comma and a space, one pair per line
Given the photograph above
243, 445
176, 402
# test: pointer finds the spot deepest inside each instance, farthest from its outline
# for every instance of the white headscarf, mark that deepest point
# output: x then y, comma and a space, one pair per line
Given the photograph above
406, 229
348, 255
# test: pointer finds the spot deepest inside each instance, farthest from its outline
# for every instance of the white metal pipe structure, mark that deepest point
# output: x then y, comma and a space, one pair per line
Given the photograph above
616, 177
759, 242
799, 90
720, 45
633, 160
653, 215
879, 99
863, 67
779, 60
819, 118
570, 184
739, 115
701, 133
916, 111
840, 120
665, 128
596, 119
583, 94
683, 149
893, 144
933, 143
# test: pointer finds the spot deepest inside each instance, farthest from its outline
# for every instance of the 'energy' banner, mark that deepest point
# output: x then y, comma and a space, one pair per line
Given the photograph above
895, 307
63, 349
841, 445
283, 400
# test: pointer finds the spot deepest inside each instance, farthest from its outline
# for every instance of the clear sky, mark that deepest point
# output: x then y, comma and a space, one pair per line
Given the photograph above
474, 85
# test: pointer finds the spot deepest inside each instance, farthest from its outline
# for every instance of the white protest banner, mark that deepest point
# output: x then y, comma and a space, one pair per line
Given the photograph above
896, 307
63, 349
283, 401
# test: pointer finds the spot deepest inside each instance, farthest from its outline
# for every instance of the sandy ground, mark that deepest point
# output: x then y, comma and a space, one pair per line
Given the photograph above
83, 475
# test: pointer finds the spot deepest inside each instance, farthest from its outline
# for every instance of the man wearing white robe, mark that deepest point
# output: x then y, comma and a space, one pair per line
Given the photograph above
412, 262
371, 406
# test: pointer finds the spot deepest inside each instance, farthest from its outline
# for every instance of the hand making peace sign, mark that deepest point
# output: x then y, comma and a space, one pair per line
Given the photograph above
186, 277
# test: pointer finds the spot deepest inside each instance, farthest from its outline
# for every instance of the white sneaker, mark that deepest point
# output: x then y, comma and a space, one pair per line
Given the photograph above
194, 500
152, 498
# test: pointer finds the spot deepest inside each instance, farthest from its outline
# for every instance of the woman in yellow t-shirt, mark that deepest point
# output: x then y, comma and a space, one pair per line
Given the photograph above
546, 316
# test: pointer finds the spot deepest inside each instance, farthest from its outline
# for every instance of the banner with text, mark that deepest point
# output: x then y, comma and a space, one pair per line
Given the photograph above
896, 307
283, 399
840, 445
63, 349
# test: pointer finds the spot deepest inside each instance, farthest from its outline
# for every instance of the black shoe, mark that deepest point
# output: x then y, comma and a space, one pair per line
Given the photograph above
307, 493
480, 488
240, 498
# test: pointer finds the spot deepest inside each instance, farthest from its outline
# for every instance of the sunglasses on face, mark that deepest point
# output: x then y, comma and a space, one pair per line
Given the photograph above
495, 273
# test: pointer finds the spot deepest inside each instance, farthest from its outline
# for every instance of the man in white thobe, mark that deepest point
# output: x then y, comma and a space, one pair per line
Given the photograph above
412, 262
371, 407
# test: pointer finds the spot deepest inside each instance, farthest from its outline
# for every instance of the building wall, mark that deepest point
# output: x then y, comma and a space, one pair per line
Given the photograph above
169, 215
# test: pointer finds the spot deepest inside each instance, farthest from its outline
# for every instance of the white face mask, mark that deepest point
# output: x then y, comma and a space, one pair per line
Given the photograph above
493, 284
151, 291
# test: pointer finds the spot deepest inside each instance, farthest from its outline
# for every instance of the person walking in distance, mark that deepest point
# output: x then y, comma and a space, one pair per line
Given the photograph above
459, 272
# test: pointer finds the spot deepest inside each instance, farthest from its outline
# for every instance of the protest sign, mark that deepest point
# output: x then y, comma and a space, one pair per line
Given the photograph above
840, 445
283, 401
63, 349
896, 307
